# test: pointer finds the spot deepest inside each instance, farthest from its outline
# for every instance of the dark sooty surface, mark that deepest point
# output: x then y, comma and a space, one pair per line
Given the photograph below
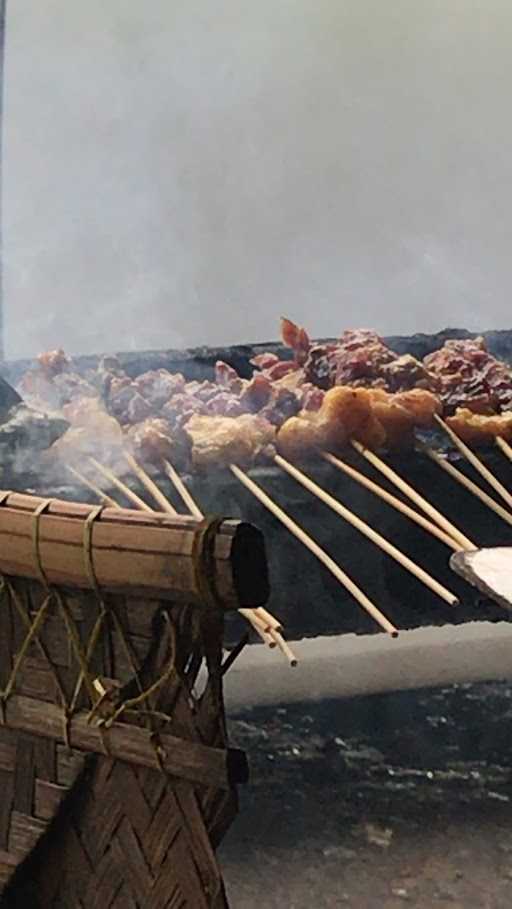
376, 803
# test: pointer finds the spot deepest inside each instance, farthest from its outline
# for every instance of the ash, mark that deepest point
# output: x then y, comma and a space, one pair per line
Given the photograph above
375, 803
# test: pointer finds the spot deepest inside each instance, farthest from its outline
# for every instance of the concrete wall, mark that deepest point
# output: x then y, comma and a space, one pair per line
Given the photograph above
182, 173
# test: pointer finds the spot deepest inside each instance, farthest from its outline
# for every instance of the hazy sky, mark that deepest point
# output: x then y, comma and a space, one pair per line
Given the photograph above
184, 173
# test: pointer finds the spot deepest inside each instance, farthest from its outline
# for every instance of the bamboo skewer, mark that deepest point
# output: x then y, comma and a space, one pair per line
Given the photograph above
505, 447
392, 500
110, 475
415, 496
262, 621
284, 647
270, 622
476, 462
461, 478
369, 532
259, 626
314, 547
150, 485
188, 499
92, 486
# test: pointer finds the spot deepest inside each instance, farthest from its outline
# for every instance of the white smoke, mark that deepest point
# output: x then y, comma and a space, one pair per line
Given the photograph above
179, 174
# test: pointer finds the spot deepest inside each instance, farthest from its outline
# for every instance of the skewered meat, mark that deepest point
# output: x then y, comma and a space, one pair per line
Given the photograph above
471, 377
224, 404
159, 385
154, 440
322, 397
372, 416
408, 372
345, 413
297, 338
478, 429
256, 394
220, 441
421, 403
53, 362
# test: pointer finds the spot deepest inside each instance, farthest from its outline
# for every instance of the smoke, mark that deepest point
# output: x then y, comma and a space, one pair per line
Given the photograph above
181, 174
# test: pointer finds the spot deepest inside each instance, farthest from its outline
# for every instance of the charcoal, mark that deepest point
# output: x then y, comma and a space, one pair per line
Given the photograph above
25, 433
8, 398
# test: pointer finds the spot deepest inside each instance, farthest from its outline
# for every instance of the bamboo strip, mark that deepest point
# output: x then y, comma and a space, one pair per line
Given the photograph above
369, 532
151, 487
313, 547
393, 501
186, 496
181, 758
110, 475
92, 486
461, 478
476, 462
415, 496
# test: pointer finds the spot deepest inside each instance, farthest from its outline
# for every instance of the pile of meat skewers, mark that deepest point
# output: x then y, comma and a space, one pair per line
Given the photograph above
313, 404
326, 395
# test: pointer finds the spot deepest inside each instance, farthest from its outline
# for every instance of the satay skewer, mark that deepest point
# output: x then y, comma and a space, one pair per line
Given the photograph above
150, 485
386, 496
108, 500
259, 626
505, 447
270, 621
284, 647
110, 475
415, 496
461, 478
412, 567
179, 485
314, 547
476, 462
261, 620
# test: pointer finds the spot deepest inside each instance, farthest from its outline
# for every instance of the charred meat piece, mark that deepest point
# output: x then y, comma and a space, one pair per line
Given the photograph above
256, 394
471, 377
53, 362
159, 385
408, 372
224, 404
181, 407
320, 366
297, 338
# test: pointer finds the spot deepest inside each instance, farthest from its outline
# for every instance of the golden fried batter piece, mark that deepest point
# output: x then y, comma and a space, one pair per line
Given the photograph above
478, 429
372, 416
345, 413
299, 437
421, 403
220, 441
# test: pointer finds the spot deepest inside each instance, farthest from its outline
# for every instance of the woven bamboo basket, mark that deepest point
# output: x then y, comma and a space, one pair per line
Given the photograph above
116, 779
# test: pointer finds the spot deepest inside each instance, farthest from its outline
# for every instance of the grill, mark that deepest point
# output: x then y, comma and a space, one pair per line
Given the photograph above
66, 782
